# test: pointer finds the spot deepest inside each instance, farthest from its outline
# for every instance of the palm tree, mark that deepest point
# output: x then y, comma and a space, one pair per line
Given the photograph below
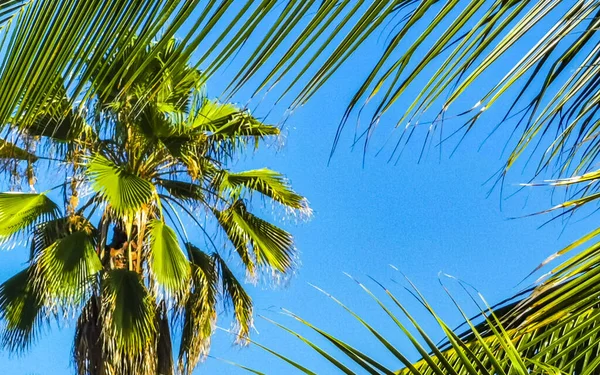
110, 240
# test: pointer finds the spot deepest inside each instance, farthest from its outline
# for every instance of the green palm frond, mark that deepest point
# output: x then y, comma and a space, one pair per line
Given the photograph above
457, 45
21, 211
200, 312
56, 119
256, 240
64, 270
267, 182
21, 308
226, 121
128, 315
229, 127
168, 263
49, 232
562, 349
234, 293
123, 190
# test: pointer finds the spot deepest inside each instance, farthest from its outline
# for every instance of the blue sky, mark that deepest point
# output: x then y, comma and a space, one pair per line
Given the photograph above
423, 217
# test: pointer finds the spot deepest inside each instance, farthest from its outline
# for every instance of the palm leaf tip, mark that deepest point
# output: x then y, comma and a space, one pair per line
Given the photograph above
241, 301
21, 211
267, 182
21, 309
200, 310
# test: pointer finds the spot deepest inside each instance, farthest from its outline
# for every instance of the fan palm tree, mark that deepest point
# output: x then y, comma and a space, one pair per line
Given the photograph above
135, 182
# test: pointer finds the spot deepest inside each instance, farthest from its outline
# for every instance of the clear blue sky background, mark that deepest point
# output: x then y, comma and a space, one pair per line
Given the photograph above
422, 217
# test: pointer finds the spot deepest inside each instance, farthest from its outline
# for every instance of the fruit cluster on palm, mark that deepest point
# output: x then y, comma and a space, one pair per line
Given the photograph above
138, 174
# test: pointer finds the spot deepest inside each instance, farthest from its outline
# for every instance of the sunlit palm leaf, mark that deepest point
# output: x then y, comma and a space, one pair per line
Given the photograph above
20, 211
229, 127
226, 121
257, 240
267, 182
49, 232
168, 263
123, 190
64, 270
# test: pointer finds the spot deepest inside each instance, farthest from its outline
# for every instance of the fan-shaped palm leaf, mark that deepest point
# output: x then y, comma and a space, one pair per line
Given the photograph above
64, 270
20, 211
267, 182
128, 330
21, 308
168, 263
123, 190
256, 239
235, 293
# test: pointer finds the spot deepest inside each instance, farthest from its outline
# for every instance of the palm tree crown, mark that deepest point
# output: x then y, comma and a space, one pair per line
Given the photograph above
117, 249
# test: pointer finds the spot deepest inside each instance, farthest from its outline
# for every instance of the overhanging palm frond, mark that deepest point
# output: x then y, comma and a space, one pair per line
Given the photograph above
89, 33
567, 348
257, 240
168, 263
21, 211
458, 42
123, 190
